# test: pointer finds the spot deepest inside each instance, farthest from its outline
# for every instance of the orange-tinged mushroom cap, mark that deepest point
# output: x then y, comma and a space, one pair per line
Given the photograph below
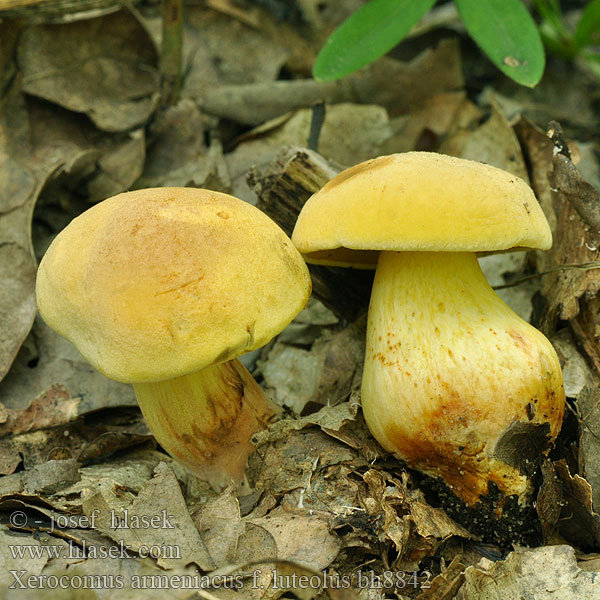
156, 283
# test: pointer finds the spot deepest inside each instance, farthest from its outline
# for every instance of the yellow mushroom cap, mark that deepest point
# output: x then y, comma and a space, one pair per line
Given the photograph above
156, 283
418, 201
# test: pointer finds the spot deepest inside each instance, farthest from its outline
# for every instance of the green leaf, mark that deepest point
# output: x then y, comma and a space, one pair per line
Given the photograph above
506, 32
369, 33
588, 29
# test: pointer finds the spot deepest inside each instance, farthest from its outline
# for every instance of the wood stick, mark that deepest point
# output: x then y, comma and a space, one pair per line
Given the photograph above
282, 188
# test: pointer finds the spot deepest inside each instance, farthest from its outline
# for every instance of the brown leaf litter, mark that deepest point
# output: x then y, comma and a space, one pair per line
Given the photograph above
325, 511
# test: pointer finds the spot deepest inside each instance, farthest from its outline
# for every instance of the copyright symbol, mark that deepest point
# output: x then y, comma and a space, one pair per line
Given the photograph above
18, 519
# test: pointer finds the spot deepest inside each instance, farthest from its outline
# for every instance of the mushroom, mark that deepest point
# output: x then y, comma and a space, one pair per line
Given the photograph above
164, 288
454, 383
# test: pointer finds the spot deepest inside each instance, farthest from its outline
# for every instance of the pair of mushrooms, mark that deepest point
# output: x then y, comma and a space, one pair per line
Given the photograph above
163, 288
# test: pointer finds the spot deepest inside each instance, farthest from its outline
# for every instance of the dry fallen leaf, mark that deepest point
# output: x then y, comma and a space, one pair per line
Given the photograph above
322, 375
542, 573
95, 163
319, 489
178, 154
214, 41
578, 523
537, 147
96, 436
581, 384
47, 359
494, 142
572, 292
37, 144
350, 133
32, 564
119, 167
157, 516
21, 179
49, 477
103, 67
394, 86
445, 585
424, 127
289, 463
301, 536
51, 408
220, 526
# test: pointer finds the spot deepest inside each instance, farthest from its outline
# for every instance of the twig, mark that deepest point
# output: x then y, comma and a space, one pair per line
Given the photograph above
170, 53
316, 123
555, 133
580, 267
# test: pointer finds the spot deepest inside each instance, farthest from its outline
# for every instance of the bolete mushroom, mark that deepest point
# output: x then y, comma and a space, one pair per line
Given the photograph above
164, 288
454, 383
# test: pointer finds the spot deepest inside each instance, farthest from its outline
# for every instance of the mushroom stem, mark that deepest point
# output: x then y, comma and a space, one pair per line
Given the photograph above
206, 419
455, 383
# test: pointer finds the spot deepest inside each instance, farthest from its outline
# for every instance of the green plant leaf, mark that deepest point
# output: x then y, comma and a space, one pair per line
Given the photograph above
369, 33
588, 29
506, 32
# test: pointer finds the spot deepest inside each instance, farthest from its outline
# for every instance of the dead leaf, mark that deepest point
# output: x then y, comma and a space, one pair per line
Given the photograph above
119, 168
395, 86
563, 95
51, 476
316, 313
578, 523
178, 155
94, 163
270, 578
48, 359
434, 522
220, 525
549, 502
445, 585
156, 517
589, 562
292, 373
96, 436
506, 267
301, 536
538, 151
127, 473
32, 564
424, 127
215, 40
330, 418
103, 67
51, 408
383, 498
579, 193
581, 384
332, 490
17, 301
21, 179
36, 144
351, 133
571, 292
494, 142
290, 462
542, 573
403, 87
